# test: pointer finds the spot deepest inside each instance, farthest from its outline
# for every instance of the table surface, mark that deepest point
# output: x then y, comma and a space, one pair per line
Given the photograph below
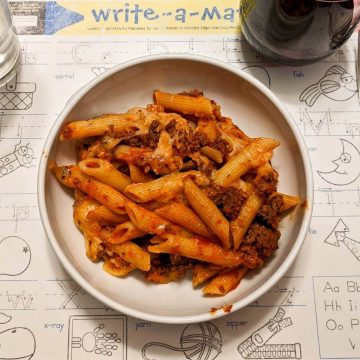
65, 45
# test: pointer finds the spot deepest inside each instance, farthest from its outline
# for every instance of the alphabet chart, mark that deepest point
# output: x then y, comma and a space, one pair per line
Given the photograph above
313, 312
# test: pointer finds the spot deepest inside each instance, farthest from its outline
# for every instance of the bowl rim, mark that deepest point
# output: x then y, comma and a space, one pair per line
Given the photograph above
70, 268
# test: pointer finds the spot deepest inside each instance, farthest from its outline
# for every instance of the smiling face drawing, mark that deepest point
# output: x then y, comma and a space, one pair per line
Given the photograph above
347, 166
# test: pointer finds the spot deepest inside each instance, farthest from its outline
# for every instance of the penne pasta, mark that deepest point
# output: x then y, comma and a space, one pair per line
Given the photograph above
109, 142
132, 254
125, 232
203, 272
185, 104
103, 214
131, 155
224, 282
117, 267
91, 229
166, 186
79, 195
100, 125
208, 212
137, 175
149, 221
104, 171
174, 186
71, 176
103, 193
180, 214
197, 248
248, 211
212, 154
289, 201
251, 156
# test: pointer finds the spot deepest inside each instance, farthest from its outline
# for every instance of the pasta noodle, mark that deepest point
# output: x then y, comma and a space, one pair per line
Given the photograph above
149, 221
91, 229
171, 187
103, 214
132, 254
183, 103
246, 215
104, 171
155, 189
224, 282
117, 266
185, 217
198, 248
249, 157
137, 175
212, 154
100, 126
104, 194
208, 212
124, 232
203, 272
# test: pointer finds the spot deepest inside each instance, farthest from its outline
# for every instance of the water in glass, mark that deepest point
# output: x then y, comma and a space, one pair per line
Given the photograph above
9, 46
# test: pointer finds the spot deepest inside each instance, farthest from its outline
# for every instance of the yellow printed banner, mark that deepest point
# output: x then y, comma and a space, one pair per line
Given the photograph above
152, 17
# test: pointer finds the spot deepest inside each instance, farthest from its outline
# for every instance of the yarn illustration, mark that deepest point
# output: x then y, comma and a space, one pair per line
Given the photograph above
198, 342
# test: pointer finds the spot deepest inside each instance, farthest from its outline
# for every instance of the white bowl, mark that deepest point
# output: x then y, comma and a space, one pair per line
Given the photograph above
253, 107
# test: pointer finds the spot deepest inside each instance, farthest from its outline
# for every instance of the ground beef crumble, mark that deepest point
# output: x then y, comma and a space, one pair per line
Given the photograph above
187, 143
252, 258
271, 211
149, 140
263, 239
266, 185
166, 268
227, 199
189, 165
192, 143
171, 128
222, 146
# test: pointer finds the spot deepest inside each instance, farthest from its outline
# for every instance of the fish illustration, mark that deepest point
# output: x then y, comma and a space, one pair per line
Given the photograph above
336, 84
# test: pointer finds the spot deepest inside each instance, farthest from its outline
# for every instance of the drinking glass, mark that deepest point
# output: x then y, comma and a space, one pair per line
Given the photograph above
9, 45
298, 30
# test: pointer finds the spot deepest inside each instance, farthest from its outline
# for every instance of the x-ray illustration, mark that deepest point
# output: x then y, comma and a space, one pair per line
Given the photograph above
97, 336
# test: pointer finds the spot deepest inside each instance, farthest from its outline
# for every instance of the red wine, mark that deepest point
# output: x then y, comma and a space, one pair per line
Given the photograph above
298, 30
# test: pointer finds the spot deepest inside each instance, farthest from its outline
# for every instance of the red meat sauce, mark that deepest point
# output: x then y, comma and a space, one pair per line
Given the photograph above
228, 199
261, 239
